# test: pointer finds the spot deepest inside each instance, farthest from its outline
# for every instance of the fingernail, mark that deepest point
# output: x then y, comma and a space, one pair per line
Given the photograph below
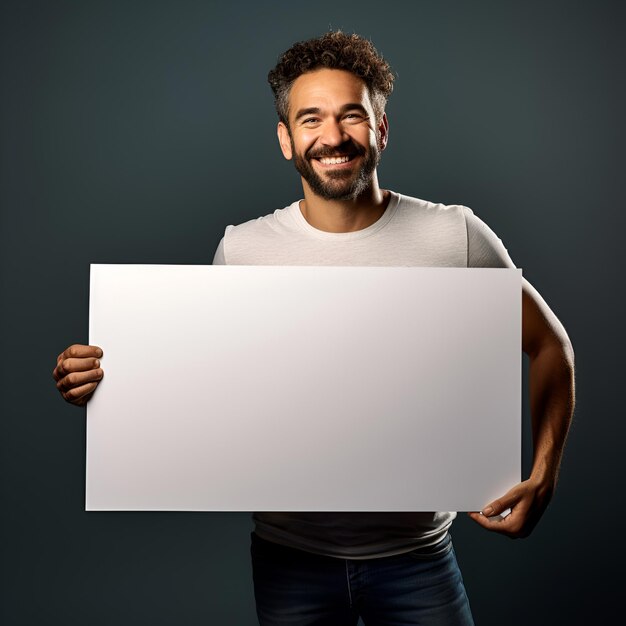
98, 352
488, 511
97, 363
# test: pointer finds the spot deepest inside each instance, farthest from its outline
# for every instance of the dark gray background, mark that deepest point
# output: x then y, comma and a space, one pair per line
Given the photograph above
135, 132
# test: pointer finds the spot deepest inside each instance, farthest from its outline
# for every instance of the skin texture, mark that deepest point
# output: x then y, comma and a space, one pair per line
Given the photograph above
331, 114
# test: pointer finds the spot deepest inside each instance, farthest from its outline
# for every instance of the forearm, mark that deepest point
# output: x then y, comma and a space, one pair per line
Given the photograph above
552, 406
551, 355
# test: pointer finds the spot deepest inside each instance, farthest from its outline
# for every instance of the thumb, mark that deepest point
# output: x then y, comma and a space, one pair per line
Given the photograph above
496, 507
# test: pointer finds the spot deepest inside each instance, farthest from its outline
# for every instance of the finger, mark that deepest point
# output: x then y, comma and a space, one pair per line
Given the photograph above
503, 527
501, 516
78, 394
76, 379
515, 524
506, 525
67, 366
479, 518
80, 351
507, 501
488, 522
74, 351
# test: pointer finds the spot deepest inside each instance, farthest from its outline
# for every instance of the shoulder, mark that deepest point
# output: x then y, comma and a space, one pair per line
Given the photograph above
263, 232
453, 225
277, 220
416, 208
424, 215
484, 247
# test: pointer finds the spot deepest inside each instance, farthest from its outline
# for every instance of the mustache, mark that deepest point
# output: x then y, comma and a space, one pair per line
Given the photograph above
350, 148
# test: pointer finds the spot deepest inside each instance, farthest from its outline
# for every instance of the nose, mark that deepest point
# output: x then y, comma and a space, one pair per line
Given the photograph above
333, 133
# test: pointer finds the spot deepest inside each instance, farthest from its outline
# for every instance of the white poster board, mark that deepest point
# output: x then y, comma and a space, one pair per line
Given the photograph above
238, 388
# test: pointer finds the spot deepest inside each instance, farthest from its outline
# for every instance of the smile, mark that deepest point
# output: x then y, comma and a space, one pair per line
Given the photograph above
334, 160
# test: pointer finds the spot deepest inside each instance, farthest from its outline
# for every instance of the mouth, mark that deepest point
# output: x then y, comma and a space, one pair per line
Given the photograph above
335, 160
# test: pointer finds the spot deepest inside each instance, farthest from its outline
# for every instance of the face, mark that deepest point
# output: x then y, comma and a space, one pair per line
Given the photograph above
333, 137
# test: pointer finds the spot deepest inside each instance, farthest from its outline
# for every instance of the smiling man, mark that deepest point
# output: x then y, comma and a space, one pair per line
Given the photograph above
337, 161
388, 568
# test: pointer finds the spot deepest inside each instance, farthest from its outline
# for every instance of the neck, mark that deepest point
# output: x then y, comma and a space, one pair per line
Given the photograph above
344, 216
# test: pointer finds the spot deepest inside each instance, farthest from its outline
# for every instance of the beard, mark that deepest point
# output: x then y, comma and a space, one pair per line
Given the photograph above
338, 184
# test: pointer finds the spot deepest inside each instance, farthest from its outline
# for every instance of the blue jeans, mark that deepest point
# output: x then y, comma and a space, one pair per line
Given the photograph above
298, 588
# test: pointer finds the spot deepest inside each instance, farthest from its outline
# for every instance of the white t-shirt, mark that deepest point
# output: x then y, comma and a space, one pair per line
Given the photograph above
411, 232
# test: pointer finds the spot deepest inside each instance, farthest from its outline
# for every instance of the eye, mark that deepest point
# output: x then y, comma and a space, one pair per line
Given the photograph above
354, 117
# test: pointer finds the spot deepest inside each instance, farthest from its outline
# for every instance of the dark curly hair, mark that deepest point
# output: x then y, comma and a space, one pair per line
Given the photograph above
333, 50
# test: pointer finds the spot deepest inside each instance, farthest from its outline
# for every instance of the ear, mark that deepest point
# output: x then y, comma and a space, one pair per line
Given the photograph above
284, 140
383, 132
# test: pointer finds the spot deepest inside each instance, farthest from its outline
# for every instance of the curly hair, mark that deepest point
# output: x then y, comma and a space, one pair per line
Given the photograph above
333, 50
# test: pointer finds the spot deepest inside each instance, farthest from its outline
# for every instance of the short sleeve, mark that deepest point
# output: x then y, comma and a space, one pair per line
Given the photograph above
219, 258
484, 247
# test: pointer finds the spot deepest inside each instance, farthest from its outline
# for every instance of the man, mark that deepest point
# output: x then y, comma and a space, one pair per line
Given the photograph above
389, 568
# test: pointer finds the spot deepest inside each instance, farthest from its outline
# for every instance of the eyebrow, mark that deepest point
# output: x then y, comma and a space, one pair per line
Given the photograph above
316, 110
309, 111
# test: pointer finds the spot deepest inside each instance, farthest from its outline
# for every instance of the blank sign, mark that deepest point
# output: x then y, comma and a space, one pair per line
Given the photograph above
237, 388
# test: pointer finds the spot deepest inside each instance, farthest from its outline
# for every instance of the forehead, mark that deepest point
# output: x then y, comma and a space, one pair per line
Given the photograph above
326, 88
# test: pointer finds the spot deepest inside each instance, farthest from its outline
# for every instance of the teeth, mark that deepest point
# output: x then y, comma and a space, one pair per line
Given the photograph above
334, 160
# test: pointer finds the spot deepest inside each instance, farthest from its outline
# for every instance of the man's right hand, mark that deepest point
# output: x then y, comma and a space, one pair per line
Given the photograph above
78, 373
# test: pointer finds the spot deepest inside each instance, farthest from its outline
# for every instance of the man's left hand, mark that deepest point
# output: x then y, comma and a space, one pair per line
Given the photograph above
527, 501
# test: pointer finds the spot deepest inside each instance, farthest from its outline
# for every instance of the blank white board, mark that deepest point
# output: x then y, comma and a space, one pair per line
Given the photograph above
238, 388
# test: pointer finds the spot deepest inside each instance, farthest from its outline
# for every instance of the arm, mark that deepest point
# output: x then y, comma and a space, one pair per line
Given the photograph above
78, 372
551, 356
